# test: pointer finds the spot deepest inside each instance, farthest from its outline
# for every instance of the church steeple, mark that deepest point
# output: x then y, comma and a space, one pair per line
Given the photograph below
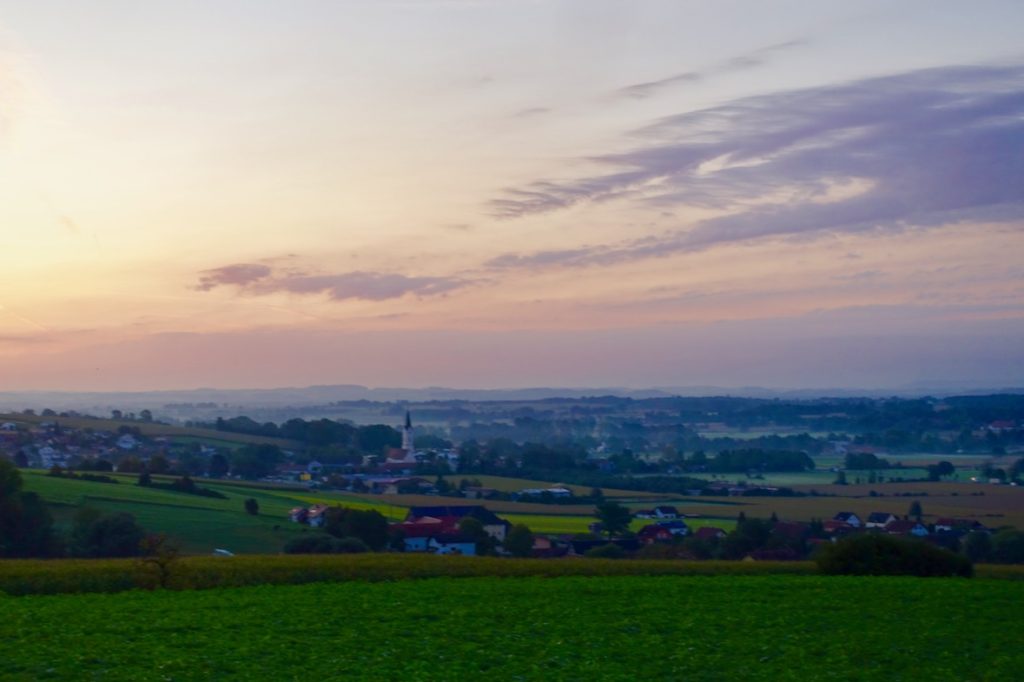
407, 433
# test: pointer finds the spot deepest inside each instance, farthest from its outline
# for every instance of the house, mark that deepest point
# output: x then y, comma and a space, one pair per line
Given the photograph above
546, 548
676, 527
879, 519
666, 512
438, 535
915, 528
654, 533
298, 515
453, 543
708, 533
833, 527
476, 492
127, 442
790, 531
557, 492
946, 525
495, 526
644, 514
317, 515
8, 426
849, 518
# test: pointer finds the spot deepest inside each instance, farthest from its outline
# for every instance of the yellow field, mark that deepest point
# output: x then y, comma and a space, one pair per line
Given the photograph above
510, 485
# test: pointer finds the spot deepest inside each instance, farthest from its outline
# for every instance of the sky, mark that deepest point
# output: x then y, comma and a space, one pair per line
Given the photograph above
474, 193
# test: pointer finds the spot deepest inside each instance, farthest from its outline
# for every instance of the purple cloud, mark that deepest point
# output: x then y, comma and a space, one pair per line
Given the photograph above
240, 274
372, 286
930, 148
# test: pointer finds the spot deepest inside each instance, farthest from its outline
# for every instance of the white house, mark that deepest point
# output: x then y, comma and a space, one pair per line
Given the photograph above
127, 442
879, 519
849, 518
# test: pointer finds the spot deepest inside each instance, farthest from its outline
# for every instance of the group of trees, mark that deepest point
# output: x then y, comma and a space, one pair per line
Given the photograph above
27, 530
26, 527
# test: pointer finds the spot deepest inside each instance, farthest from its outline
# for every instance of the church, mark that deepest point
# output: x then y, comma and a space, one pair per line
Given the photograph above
403, 458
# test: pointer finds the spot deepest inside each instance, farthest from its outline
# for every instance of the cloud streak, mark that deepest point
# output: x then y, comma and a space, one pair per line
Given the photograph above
743, 62
915, 150
261, 280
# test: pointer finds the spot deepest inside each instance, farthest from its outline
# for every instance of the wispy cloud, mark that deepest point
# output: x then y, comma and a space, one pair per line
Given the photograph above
256, 279
531, 112
742, 62
921, 149
239, 274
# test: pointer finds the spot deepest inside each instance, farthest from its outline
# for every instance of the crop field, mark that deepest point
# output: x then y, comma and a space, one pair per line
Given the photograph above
510, 485
991, 504
571, 628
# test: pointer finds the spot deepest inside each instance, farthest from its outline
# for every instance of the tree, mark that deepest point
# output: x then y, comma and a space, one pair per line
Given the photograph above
256, 461
978, 546
614, 518
474, 530
146, 415
1008, 546
145, 480
840, 478
915, 510
26, 527
367, 525
159, 465
608, 551
519, 541
873, 554
159, 553
115, 535
218, 465
252, 506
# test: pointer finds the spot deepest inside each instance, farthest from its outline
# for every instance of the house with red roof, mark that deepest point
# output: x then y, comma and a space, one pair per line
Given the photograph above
654, 533
902, 527
709, 533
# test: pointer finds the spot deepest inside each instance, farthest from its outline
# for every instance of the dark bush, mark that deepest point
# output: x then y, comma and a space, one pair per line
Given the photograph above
325, 544
885, 555
608, 551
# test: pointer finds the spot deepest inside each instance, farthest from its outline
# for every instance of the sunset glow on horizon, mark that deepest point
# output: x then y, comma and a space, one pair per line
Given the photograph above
489, 194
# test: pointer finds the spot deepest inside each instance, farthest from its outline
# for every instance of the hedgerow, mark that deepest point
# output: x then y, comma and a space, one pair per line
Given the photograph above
19, 577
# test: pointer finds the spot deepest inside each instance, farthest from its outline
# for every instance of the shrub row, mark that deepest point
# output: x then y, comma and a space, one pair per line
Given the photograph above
20, 577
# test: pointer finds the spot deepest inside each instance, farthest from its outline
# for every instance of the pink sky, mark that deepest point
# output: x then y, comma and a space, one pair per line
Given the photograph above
481, 194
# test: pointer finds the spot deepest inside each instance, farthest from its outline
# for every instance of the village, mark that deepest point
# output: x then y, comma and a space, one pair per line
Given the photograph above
441, 530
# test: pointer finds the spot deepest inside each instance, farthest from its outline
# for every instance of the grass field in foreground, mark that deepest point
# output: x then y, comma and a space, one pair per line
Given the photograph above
609, 628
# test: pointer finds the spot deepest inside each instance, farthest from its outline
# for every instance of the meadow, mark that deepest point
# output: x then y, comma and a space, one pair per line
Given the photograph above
203, 524
774, 627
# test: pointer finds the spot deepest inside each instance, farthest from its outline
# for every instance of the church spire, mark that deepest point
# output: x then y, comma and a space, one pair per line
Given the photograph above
407, 433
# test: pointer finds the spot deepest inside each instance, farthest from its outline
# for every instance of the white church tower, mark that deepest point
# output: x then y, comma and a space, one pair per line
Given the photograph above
407, 433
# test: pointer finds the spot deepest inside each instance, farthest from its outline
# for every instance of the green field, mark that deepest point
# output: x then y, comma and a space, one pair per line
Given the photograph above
201, 524
609, 628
